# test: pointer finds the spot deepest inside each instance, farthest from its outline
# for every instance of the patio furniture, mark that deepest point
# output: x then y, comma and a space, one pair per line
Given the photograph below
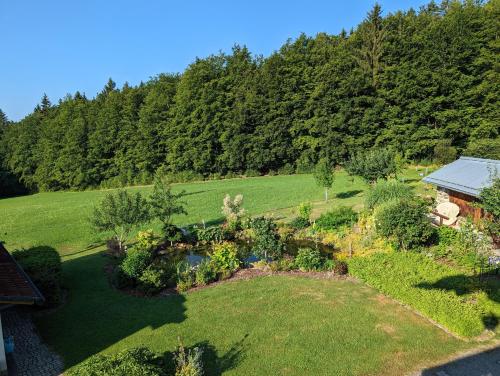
446, 213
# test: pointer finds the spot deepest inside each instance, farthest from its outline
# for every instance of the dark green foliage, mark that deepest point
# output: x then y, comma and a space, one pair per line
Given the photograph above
136, 261
405, 222
267, 242
214, 234
490, 202
308, 259
488, 148
385, 191
299, 223
404, 81
120, 212
132, 362
373, 165
336, 218
444, 152
43, 265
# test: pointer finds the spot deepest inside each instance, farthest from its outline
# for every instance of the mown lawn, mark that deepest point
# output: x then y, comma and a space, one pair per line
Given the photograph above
276, 325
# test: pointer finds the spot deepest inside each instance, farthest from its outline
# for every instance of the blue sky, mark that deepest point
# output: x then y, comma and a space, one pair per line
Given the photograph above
58, 47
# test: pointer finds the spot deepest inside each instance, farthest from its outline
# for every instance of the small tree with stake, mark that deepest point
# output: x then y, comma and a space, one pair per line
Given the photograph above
120, 212
165, 204
324, 176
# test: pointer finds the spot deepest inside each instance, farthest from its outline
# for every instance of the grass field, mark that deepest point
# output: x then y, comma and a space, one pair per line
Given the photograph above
269, 325
276, 325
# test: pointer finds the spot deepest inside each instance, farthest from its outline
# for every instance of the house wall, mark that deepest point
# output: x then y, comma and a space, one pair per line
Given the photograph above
442, 195
465, 203
3, 359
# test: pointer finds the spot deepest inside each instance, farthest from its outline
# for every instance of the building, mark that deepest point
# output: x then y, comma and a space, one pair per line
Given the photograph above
461, 182
15, 288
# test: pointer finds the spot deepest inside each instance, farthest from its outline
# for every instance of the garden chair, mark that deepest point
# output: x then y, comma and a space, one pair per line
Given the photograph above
446, 213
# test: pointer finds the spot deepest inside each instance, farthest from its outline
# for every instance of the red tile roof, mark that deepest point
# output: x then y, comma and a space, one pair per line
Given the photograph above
15, 285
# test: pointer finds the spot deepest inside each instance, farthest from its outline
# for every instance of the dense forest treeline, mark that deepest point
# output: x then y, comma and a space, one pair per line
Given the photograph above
407, 80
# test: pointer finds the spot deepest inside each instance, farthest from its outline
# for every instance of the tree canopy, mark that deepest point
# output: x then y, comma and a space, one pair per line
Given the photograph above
405, 80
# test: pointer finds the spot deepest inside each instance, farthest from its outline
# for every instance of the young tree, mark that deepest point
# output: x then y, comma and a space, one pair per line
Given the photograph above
165, 203
232, 209
372, 165
120, 212
324, 176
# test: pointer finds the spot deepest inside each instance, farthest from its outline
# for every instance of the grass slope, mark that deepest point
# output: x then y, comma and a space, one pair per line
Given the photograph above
266, 326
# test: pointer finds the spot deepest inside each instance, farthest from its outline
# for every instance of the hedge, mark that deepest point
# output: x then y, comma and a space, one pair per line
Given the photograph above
458, 302
43, 265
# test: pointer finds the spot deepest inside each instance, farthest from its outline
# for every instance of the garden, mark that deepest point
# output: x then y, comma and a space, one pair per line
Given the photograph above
177, 296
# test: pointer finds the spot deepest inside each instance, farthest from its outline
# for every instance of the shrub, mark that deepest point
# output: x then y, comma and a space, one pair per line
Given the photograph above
173, 234
133, 362
286, 170
341, 216
147, 240
252, 173
153, 280
308, 259
188, 362
267, 240
299, 223
285, 264
490, 202
205, 273
233, 210
305, 210
329, 265
185, 276
135, 262
43, 265
340, 268
121, 280
214, 234
224, 257
405, 222
438, 291
385, 191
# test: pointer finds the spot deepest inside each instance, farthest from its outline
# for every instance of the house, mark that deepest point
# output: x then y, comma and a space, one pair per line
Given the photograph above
461, 182
15, 288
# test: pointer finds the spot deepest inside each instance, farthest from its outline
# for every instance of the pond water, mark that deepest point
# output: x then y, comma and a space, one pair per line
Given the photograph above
195, 254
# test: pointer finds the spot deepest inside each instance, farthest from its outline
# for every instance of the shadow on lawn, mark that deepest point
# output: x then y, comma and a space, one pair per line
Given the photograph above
478, 364
348, 194
465, 285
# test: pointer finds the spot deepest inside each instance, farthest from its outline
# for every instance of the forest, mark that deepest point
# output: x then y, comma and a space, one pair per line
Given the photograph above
409, 81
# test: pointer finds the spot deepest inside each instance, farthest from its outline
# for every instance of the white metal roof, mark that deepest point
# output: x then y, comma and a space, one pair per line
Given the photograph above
467, 175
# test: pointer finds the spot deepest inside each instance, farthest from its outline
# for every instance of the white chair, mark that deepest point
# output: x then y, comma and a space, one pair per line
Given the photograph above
447, 213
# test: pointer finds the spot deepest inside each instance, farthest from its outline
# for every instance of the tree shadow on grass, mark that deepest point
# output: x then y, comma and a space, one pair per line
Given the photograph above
348, 194
464, 285
96, 316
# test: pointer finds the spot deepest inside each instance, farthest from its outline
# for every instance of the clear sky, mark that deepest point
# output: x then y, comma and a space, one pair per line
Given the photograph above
59, 47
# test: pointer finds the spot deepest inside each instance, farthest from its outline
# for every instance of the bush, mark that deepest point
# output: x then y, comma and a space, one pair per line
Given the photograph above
267, 240
205, 273
188, 362
328, 265
147, 240
121, 280
43, 265
135, 262
173, 234
185, 276
299, 223
252, 173
308, 259
215, 234
385, 191
438, 291
405, 222
305, 210
224, 258
133, 362
286, 170
153, 280
373, 164
338, 217
340, 268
